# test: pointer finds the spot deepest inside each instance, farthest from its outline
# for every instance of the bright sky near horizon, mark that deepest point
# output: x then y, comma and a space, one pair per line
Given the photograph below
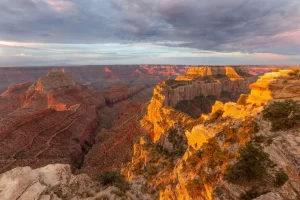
84, 32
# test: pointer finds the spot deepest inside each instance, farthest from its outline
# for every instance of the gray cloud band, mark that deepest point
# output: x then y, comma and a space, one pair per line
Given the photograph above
233, 25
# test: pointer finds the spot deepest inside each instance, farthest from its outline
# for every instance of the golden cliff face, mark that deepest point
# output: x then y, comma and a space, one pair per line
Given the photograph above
161, 116
195, 72
161, 113
213, 142
275, 85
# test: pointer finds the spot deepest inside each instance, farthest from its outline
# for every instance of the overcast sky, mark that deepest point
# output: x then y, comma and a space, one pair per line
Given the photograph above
61, 32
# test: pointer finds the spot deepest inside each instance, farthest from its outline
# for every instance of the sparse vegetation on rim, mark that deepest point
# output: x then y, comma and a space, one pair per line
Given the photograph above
283, 114
281, 178
174, 83
114, 178
252, 194
178, 142
252, 165
295, 73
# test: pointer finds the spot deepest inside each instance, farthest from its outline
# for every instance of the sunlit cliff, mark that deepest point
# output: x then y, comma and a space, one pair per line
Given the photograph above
214, 142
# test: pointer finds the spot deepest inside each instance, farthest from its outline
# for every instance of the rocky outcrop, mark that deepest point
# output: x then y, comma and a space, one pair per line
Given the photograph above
53, 182
214, 144
226, 71
56, 182
275, 85
167, 94
229, 72
53, 80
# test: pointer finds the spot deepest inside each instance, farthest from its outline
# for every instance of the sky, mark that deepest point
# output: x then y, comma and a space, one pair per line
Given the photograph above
91, 32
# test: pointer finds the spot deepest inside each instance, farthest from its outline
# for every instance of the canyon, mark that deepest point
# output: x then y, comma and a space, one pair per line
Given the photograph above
99, 77
112, 118
185, 158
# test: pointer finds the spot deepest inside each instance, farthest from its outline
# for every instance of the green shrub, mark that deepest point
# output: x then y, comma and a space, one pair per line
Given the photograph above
283, 115
114, 178
252, 194
259, 139
281, 178
252, 164
160, 149
213, 153
210, 152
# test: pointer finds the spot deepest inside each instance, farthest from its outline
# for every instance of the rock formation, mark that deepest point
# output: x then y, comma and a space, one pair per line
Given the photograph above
56, 182
49, 182
53, 120
227, 71
202, 81
214, 145
274, 85
52, 81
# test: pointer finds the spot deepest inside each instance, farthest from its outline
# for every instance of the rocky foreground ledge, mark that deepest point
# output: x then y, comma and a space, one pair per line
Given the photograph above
56, 182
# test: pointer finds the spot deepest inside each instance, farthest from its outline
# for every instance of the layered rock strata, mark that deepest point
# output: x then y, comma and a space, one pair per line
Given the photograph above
214, 144
205, 82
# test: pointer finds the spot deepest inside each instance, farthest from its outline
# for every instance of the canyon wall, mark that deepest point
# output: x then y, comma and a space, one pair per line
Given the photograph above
214, 143
53, 120
205, 81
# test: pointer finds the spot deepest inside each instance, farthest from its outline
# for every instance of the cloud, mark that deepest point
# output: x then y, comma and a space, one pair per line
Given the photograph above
18, 44
262, 27
270, 56
210, 25
60, 5
22, 55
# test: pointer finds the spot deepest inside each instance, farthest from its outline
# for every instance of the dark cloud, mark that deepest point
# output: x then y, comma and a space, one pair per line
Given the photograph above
231, 25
